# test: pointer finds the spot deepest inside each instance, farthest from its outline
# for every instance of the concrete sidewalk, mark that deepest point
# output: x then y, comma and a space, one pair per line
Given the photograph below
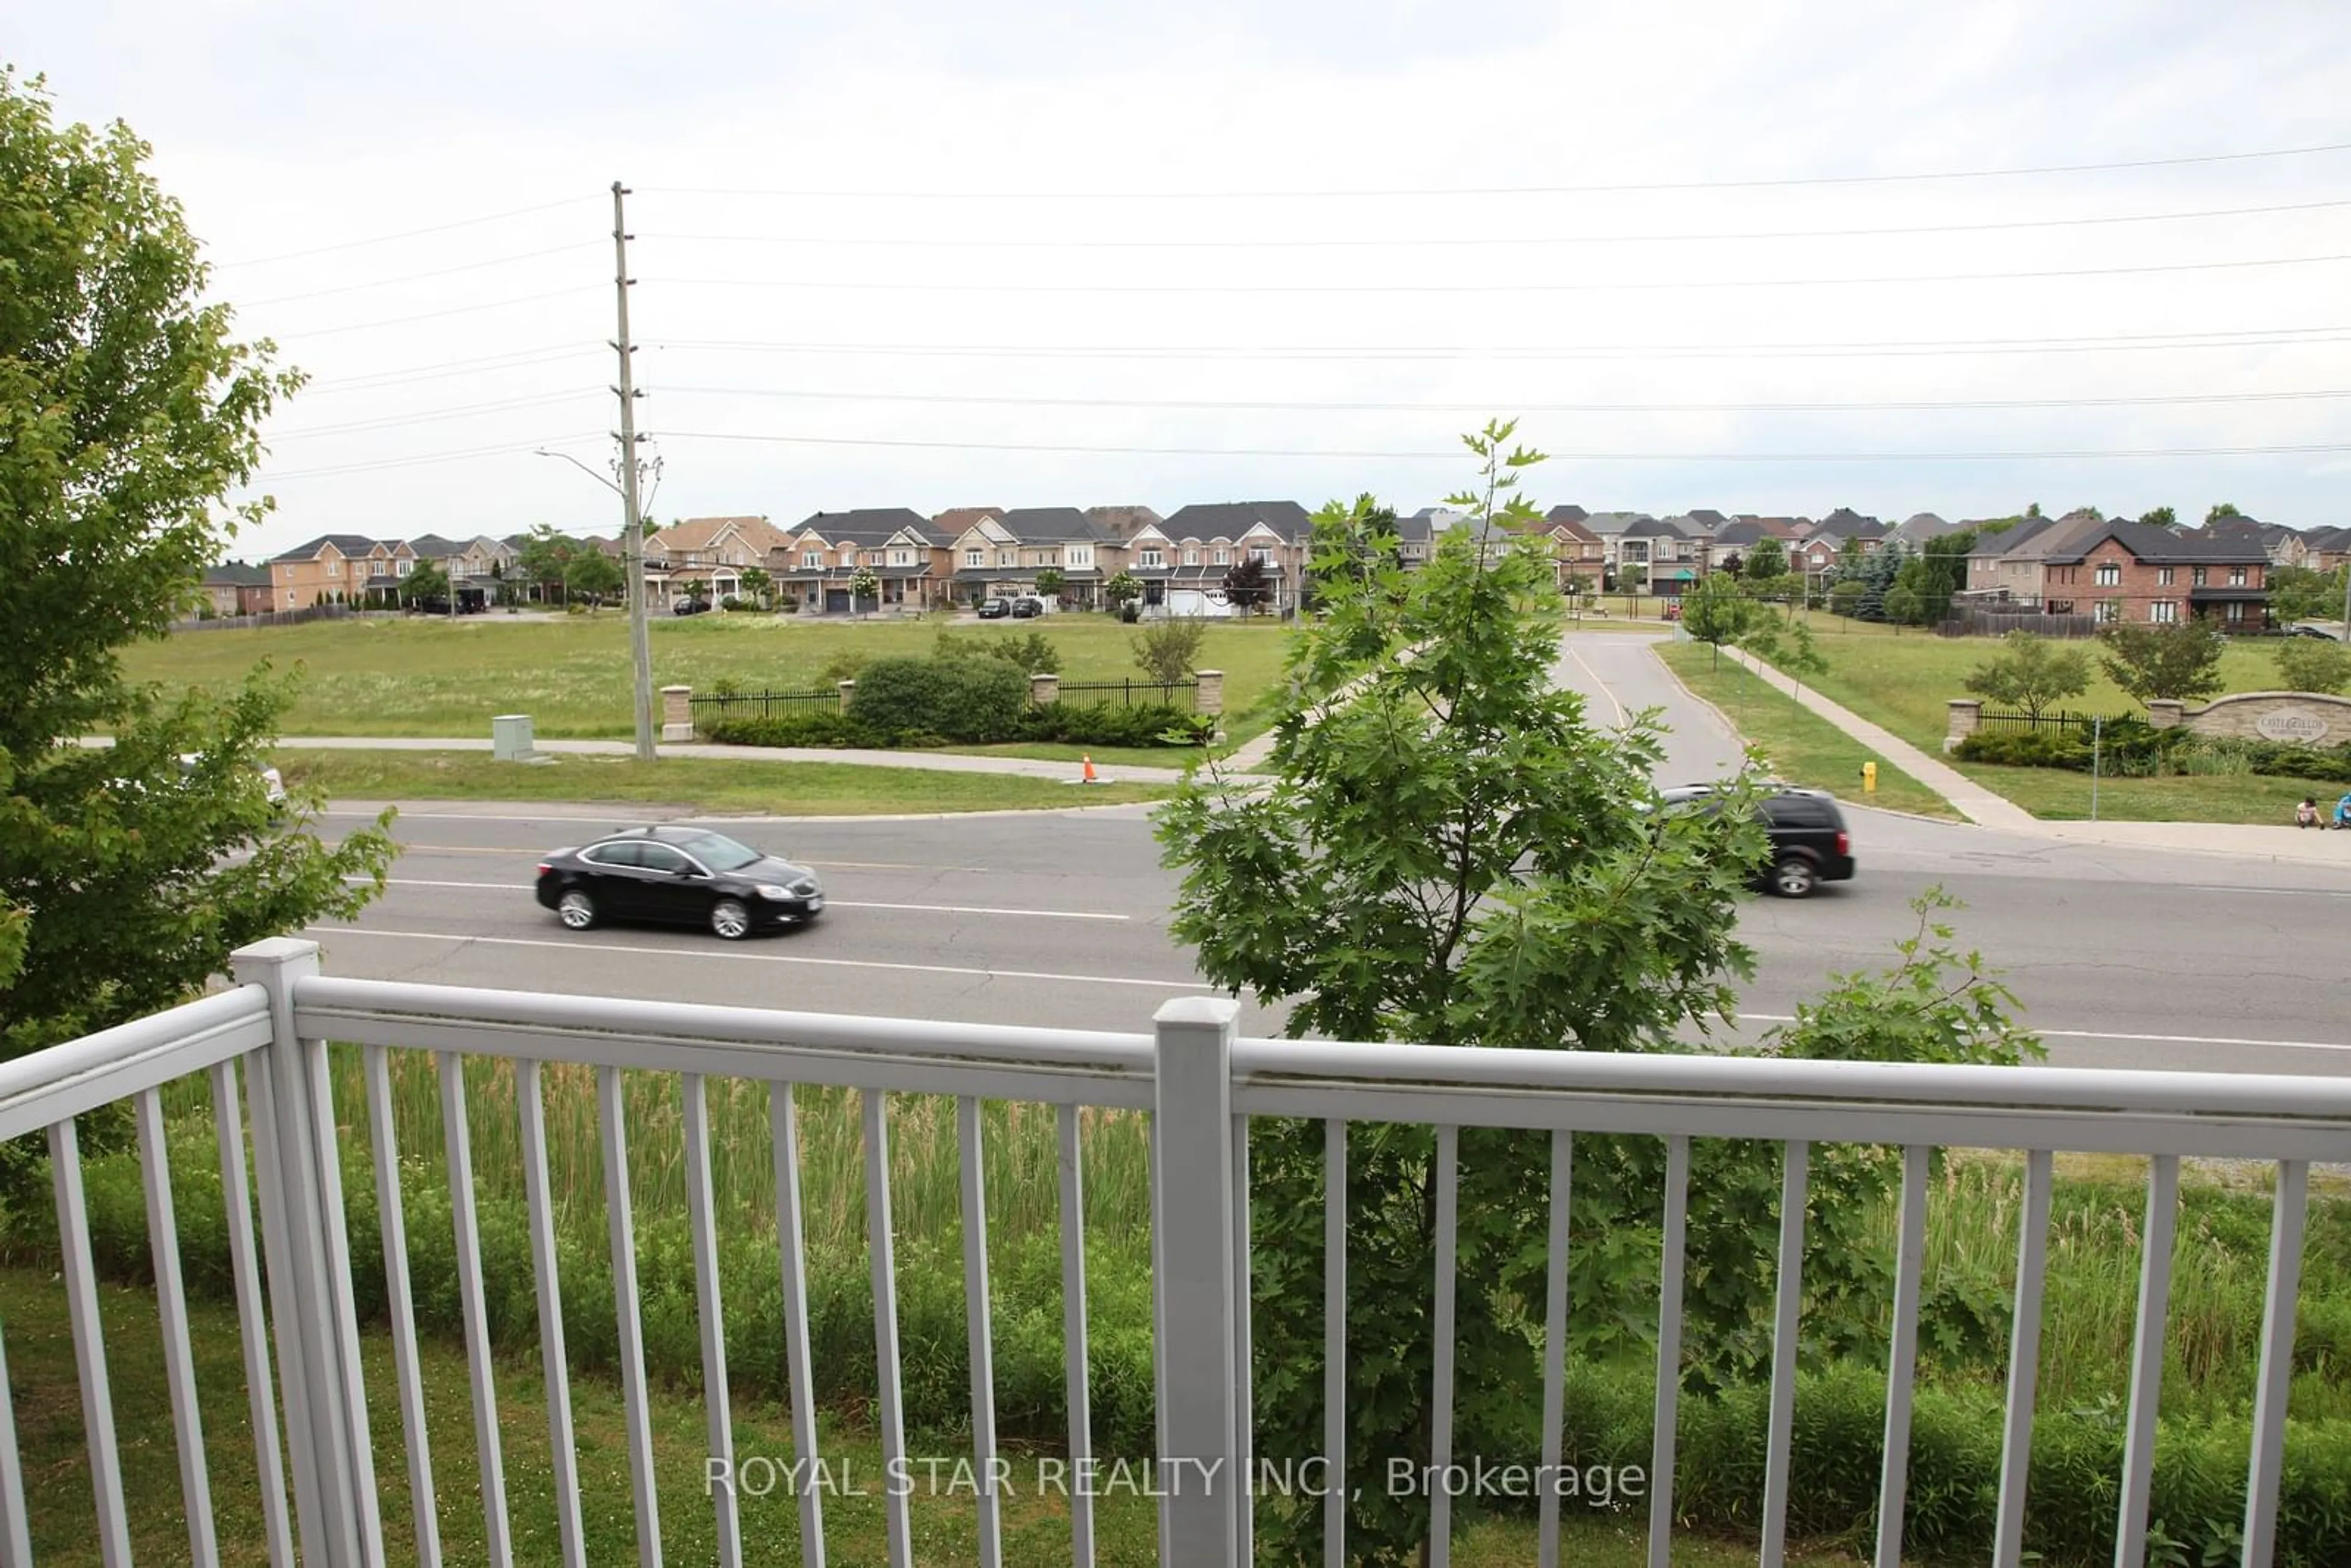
1970, 799
919, 761
2283, 842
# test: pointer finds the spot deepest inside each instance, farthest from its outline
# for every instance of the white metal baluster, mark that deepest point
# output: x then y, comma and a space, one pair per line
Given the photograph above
1440, 1397
897, 1527
1194, 1375
172, 1309
1335, 1344
790, 1244
341, 1343
1795, 1173
1554, 1401
384, 1140
2277, 1361
252, 1320
976, 1329
458, 1138
555, 1366
15, 1533
1670, 1352
1902, 1363
2147, 1356
621, 1231
1073, 1340
2023, 1358
1159, 1360
1244, 1412
702, 1216
111, 1526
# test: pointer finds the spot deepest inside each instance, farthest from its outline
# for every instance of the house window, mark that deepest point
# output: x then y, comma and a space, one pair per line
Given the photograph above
1151, 557
1007, 558
1222, 558
1260, 554
2163, 577
2110, 574
901, 558
1191, 557
2196, 575
1081, 555
2236, 577
811, 559
400, 568
975, 558
2163, 611
2109, 610
2236, 611
334, 568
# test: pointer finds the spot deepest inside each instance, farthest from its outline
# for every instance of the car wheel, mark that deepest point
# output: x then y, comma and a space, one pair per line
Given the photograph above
576, 909
730, 919
1794, 878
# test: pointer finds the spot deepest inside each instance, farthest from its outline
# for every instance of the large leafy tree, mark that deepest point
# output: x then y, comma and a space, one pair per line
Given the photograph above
2031, 673
2181, 661
1767, 561
1717, 613
127, 410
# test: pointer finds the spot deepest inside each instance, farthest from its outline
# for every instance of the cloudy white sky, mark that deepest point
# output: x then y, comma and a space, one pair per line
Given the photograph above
947, 255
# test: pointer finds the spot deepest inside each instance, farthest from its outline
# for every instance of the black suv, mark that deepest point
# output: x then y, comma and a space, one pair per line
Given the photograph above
1809, 841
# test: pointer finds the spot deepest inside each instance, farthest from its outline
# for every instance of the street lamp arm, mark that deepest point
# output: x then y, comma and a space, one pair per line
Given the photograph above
543, 452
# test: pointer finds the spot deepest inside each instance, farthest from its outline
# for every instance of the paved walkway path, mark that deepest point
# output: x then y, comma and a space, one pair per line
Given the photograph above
1970, 799
920, 762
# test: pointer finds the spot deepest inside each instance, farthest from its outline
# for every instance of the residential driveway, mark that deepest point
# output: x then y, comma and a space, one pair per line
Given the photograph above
1619, 676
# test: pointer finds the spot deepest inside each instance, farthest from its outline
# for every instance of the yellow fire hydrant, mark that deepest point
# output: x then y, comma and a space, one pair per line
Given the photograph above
1869, 777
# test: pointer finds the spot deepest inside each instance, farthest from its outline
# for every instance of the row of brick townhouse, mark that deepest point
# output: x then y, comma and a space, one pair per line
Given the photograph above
353, 569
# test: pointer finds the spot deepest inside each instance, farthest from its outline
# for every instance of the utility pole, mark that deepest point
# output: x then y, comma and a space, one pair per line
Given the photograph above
633, 534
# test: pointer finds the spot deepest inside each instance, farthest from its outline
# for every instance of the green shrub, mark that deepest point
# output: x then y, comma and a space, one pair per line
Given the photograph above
965, 700
2027, 748
1106, 724
816, 727
1031, 651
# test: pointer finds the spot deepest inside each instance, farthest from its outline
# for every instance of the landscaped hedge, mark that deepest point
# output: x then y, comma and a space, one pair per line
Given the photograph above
2200, 1465
939, 702
2136, 749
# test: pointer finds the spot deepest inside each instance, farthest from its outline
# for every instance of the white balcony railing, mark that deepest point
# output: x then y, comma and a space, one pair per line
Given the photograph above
1201, 1085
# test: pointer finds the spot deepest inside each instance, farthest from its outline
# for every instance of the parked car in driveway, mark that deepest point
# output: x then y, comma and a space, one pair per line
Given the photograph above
1028, 609
1810, 844
678, 876
995, 609
690, 607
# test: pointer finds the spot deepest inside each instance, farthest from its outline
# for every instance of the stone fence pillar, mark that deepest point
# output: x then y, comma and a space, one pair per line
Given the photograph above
2164, 713
1965, 718
1044, 688
677, 712
1209, 696
848, 694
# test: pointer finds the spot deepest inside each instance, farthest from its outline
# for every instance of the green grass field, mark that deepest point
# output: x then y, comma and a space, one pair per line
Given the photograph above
1805, 748
708, 784
431, 677
1906, 682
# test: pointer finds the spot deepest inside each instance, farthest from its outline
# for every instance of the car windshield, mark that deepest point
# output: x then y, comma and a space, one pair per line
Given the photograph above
717, 851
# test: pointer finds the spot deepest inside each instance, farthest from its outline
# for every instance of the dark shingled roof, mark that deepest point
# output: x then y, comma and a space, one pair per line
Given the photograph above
236, 574
350, 544
863, 525
1030, 524
1231, 519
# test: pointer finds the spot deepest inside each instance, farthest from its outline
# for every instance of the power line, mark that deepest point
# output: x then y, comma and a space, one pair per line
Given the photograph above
420, 276
453, 310
1998, 173
421, 459
1455, 241
404, 234
1487, 405
1453, 455
2250, 337
1584, 287
466, 411
441, 371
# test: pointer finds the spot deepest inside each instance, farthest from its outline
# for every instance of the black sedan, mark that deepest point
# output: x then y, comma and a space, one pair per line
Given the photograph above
678, 876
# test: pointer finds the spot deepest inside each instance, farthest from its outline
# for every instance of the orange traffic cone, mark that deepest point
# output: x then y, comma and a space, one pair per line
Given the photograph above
1090, 778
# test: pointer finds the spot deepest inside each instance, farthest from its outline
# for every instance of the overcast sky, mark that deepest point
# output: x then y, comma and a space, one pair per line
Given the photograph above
895, 253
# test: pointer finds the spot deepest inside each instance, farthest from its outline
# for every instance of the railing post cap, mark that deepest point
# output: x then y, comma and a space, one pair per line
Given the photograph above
666, 690
1214, 1012
273, 952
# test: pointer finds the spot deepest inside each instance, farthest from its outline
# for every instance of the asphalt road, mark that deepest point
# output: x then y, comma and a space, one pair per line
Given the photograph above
2121, 958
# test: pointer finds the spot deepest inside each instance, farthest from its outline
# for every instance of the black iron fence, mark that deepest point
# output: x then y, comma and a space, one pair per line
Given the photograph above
1997, 620
1183, 695
2079, 724
761, 704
